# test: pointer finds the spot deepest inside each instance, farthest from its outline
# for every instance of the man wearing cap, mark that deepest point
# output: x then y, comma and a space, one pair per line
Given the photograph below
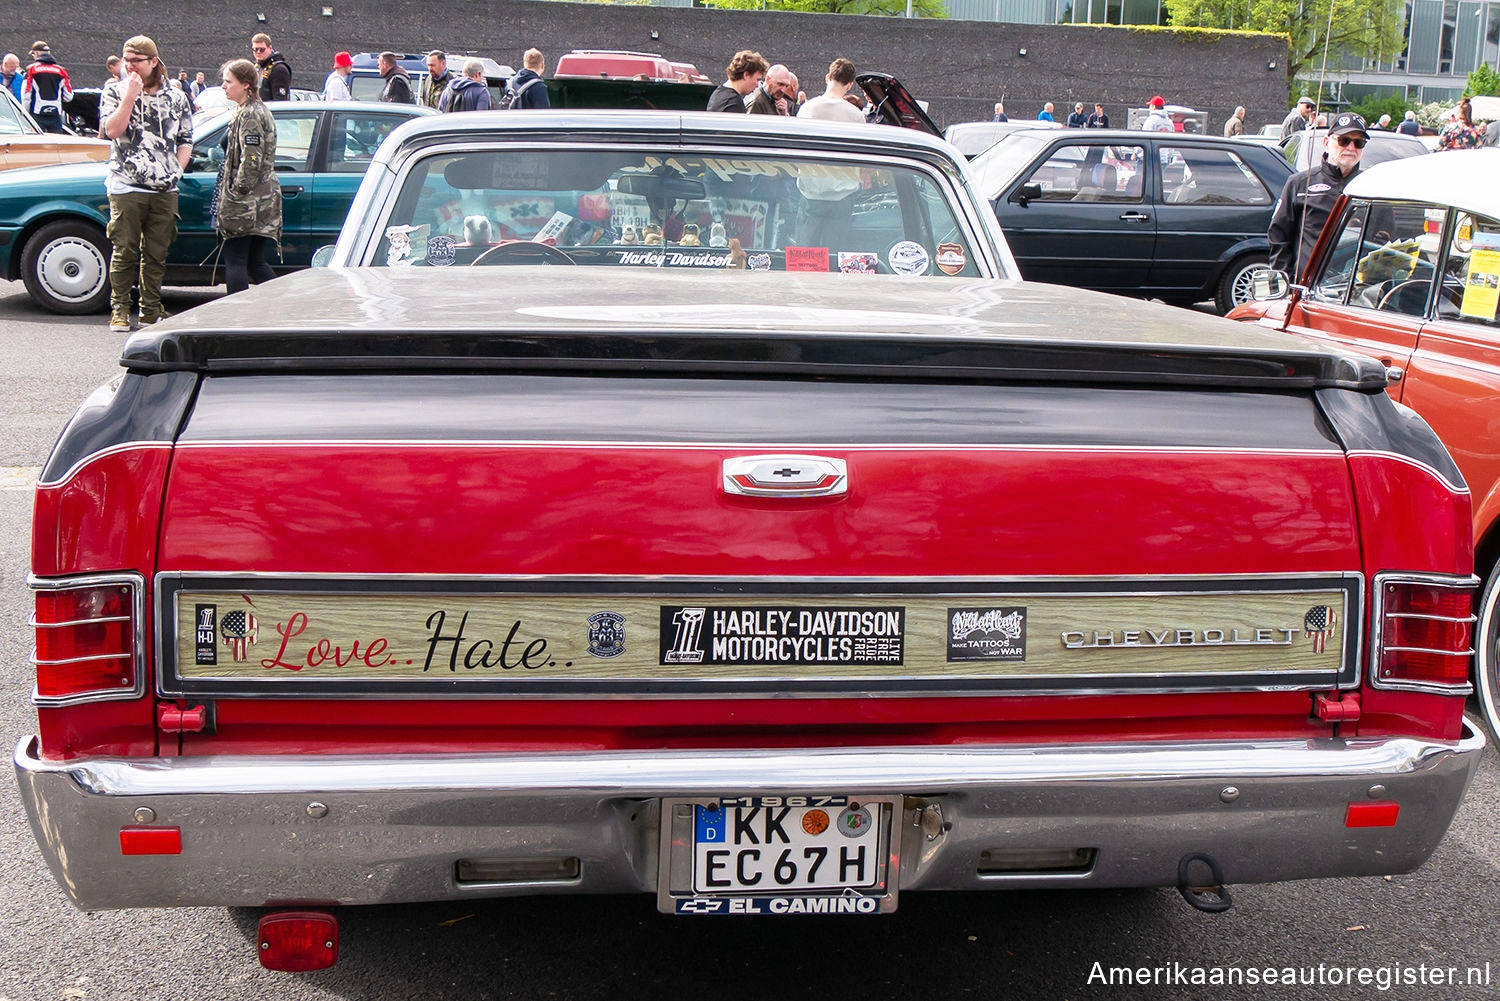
1308, 197
1298, 118
1076, 118
336, 87
150, 125
1157, 119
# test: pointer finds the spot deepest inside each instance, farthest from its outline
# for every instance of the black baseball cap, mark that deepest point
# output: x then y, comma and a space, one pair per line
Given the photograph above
1347, 123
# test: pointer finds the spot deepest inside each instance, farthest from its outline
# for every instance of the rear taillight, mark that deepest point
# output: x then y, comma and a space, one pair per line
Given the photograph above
1425, 633
87, 639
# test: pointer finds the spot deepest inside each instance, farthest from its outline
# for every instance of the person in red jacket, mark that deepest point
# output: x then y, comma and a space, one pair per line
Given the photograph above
46, 88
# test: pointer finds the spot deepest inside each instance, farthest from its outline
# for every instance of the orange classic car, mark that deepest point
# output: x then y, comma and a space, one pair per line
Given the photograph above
24, 144
1423, 303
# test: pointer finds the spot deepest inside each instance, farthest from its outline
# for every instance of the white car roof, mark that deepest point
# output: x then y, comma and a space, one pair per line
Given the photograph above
1464, 179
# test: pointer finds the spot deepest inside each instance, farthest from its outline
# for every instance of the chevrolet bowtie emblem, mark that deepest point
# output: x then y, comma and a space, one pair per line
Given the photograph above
786, 476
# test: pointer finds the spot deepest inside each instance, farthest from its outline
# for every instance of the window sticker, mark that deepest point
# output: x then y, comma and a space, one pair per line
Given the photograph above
1482, 283
950, 258
405, 244
857, 263
440, 252
908, 258
807, 258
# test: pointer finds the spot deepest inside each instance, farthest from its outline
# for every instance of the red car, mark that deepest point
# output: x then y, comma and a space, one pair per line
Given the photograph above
790, 576
1421, 298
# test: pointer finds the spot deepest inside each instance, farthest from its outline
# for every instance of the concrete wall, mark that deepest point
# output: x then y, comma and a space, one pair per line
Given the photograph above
960, 67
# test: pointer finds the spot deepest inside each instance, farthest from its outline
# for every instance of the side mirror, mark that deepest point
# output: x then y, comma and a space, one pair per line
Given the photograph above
1269, 284
1027, 193
322, 256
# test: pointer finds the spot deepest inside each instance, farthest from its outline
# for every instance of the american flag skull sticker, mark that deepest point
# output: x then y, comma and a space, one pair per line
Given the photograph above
1320, 623
240, 629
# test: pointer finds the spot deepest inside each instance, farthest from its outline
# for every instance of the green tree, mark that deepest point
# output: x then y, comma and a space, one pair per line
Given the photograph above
1359, 27
1484, 81
883, 8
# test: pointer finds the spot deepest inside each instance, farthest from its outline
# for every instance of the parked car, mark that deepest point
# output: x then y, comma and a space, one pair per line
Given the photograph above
752, 590
24, 144
622, 65
1159, 214
973, 138
1305, 148
1421, 298
52, 219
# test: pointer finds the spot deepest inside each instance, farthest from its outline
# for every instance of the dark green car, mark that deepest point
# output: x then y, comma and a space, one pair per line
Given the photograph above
52, 219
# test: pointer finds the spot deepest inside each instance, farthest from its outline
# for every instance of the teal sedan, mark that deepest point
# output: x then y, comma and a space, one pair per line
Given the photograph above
52, 219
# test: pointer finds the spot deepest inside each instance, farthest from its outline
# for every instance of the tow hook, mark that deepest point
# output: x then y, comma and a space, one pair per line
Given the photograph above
1212, 897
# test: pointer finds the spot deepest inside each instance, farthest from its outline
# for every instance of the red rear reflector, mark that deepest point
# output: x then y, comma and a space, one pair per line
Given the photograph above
85, 640
298, 941
150, 841
1426, 634
1381, 814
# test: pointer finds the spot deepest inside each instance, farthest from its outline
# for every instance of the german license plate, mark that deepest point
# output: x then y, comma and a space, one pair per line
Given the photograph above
794, 854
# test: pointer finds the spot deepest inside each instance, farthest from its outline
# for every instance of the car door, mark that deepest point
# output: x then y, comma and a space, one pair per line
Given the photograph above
197, 245
1371, 289
1080, 216
1453, 378
1209, 202
353, 137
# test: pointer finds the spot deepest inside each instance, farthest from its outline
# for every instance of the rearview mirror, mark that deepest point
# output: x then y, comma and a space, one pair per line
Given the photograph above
661, 187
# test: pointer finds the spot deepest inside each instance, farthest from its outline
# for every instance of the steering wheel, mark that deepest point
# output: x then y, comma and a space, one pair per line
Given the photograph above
1391, 300
522, 252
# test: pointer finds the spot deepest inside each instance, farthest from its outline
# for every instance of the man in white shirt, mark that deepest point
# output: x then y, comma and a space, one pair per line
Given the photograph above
336, 87
833, 104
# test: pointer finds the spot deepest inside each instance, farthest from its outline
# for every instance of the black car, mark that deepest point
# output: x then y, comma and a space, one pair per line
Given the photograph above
1159, 214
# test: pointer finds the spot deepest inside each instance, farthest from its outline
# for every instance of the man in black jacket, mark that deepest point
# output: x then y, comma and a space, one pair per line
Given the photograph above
46, 88
527, 89
397, 81
275, 71
1309, 195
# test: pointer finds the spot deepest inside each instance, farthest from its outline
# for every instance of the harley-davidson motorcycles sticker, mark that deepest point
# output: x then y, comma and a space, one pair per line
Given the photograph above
606, 634
206, 634
987, 634
770, 634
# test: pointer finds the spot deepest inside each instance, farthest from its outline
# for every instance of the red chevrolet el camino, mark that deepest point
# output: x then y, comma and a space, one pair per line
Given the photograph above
767, 592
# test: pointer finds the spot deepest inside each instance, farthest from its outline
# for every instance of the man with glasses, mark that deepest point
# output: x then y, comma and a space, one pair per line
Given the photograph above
275, 71
150, 125
1308, 197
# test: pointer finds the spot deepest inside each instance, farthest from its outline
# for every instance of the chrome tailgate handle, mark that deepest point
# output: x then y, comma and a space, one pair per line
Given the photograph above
786, 476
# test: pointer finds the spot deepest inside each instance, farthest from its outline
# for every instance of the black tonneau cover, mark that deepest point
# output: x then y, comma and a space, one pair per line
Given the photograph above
623, 320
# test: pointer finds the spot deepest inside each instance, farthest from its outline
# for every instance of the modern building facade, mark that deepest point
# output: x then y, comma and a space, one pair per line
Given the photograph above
1444, 41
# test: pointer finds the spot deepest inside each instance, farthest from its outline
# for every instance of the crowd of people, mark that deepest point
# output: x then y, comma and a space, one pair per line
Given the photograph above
753, 86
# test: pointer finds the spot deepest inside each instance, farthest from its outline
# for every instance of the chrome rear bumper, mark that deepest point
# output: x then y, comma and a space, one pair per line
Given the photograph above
364, 830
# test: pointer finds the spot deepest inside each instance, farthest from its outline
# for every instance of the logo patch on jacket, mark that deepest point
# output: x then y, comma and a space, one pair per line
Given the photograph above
252, 138
1313, 189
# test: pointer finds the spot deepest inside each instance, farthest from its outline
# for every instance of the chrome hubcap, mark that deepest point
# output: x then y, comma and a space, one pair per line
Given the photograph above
72, 269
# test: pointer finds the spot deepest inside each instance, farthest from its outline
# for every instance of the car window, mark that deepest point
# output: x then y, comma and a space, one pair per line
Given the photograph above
208, 151
354, 139
996, 167
11, 122
637, 208
1209, 177
1471, 271
294, 138
1385, 257
1091, 173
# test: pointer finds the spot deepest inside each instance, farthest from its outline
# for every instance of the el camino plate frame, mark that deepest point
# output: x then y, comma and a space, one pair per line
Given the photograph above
751, 823
1210, 659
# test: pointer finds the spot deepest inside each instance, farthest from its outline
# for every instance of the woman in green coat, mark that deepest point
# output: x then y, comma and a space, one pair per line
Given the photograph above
247, 201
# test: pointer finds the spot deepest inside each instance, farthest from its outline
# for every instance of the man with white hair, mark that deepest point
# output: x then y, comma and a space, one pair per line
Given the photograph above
1409, 126
10, 74
468, 92
1235, 126
776, 95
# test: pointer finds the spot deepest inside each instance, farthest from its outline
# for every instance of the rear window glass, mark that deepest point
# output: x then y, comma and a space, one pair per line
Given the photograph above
639, 208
